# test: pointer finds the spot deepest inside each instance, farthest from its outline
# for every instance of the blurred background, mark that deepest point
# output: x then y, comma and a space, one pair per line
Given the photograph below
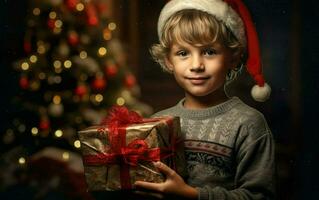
64, 62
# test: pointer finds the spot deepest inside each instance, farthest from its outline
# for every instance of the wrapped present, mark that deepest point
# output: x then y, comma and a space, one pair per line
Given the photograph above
123, 148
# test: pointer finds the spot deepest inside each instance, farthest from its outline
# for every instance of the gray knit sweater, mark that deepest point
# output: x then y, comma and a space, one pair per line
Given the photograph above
229, 150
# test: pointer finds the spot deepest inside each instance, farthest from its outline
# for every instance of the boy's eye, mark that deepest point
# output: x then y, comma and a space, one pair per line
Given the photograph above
182, 53
209, 52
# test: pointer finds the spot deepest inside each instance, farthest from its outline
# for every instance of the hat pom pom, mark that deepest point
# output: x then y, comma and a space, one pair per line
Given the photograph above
261, 93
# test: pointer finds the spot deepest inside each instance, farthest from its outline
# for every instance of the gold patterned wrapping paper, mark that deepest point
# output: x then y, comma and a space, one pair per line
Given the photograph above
159, 134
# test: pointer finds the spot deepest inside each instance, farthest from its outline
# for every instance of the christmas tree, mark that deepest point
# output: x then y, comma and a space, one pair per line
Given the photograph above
74, 69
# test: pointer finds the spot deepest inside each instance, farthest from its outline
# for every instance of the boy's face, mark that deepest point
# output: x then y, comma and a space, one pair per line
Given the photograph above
199, 69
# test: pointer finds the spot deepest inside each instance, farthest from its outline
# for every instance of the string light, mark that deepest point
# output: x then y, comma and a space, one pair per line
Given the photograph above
21, 160
58, 133
83, 54
25, 66
107, 34
33, 58
34, 131
52, 15
21, 128
57, 30
67, 64
42, 76
79, 7
102, 51
57, 64
41, 49
35, 85
99, 98
120, 101
56, 99
36, 11
77, 144
112, 26
66, 155
58, 23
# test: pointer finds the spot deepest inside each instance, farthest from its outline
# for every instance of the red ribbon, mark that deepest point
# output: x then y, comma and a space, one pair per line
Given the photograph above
117, 121
135, 151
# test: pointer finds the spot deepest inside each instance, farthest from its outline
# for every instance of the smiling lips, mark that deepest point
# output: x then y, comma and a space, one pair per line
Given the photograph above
197, 80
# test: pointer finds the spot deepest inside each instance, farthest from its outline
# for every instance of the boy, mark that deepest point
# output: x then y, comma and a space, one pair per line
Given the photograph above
228, 145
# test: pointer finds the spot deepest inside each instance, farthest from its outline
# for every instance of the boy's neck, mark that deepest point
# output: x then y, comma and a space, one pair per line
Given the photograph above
213, 99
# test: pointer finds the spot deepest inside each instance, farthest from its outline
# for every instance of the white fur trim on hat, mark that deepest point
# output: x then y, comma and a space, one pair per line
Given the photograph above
218, 8
261, 93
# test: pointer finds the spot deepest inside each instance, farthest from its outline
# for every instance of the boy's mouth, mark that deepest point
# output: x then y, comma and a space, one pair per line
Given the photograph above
198, 80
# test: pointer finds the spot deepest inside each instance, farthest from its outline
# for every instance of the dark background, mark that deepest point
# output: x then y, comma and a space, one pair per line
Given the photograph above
289, 35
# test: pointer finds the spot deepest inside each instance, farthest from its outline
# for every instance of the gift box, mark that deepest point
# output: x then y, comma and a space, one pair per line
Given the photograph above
122, 150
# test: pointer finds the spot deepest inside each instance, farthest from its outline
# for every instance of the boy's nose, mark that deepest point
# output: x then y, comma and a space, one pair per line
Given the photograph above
197, 64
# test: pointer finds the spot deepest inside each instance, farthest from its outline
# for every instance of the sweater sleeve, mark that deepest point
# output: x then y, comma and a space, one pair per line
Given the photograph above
254, 178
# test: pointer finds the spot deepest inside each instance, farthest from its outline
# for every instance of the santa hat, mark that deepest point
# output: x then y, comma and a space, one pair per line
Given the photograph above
236, 17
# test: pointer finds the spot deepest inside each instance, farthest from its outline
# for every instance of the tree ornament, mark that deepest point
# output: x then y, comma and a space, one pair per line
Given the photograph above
73, 38
44, 124
24, 82
71, 4
111, 70
92, 18
130, 80
81, 90
51, 23
27, 47
99, 83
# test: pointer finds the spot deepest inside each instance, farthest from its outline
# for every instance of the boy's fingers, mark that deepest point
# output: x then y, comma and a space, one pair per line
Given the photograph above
164, 168
147, 185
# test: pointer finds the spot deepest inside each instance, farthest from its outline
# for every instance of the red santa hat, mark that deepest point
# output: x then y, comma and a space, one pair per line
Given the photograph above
236, 17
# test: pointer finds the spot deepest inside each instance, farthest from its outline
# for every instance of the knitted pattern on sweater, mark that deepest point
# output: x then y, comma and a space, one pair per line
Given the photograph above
229, 150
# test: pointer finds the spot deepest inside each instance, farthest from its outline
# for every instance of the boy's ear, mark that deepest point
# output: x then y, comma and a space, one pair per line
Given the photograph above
168, 64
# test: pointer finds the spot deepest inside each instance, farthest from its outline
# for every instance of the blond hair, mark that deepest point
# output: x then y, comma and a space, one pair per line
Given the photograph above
196, 27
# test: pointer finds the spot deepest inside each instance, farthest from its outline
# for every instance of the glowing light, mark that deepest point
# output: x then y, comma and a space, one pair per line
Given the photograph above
21, 128
112, 26
99, 98
42, 75
58, 133
56, 99
102, 51
79, 7
34, 131
66, 155
77, 143
83, 54
57, 30
21, 160
41, 49
52, 15
25, 66
67, 64
107, 34
58, 23
36, 11
57, 64
120, 101
57, 79
33, 59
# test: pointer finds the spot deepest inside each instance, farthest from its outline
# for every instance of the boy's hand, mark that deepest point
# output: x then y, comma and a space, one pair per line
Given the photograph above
174, 184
